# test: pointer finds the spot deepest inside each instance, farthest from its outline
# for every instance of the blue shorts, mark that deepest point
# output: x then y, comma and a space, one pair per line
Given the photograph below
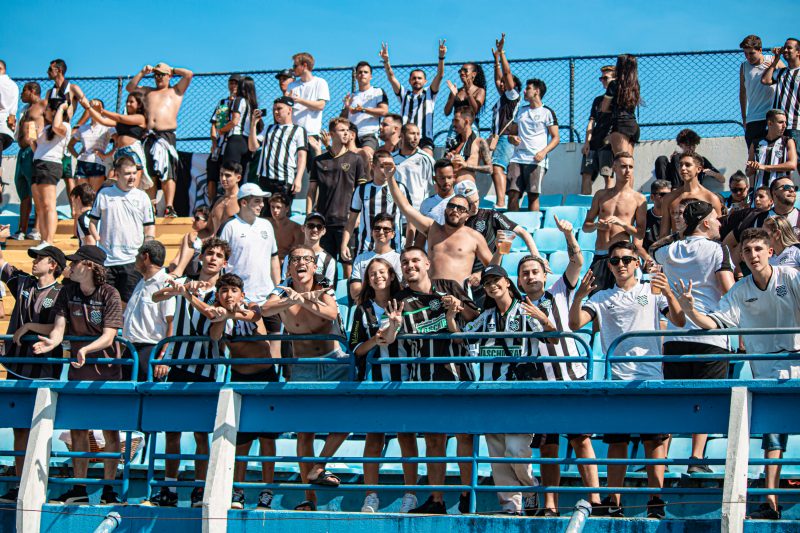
128, 151
774, 441
502, 153
322, 371
90, 170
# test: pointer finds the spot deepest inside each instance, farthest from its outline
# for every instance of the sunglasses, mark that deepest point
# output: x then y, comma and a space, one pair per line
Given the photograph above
787, 188
625, 260
382, 229
200, 219
295, 259
659, 194
457, 207
739, 189
159, 74
316, 227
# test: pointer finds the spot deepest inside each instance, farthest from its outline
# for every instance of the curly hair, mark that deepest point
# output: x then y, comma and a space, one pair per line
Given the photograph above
99, 273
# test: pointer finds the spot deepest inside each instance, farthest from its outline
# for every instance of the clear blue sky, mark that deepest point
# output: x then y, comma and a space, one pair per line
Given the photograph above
115, 37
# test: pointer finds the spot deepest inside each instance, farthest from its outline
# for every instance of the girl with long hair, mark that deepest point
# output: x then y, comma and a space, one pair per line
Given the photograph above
784, 242
237, 129
472, 92
621, 99
94, 138
48, 151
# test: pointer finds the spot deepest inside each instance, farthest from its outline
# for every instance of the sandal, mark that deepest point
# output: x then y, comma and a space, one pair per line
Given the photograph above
306, 505
325, 479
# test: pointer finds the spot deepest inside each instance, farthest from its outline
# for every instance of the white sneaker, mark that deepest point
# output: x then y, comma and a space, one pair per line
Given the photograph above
20, 236
34, 235
409, 502
371, 503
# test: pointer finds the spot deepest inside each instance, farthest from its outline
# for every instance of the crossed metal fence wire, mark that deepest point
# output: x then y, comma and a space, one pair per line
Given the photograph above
680, 89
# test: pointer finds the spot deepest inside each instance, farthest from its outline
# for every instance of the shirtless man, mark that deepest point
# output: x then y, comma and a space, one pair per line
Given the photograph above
31, 122
452, 247
288, 233
470, 150
163, 103
617, 214
690, 167
241, 322
306, 307
227, 205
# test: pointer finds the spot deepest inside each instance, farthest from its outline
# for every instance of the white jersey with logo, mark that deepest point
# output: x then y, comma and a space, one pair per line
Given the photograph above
314, 89
121, 217
415, 171
252, 248
790, 257
533, 125
434, 206
367, 124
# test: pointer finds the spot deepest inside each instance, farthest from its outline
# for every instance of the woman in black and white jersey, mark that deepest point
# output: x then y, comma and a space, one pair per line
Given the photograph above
377, 319
237, 130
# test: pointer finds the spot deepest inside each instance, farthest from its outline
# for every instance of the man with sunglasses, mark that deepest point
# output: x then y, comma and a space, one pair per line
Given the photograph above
596, 151
629, 306
162, 103
453, 247
313, 232
690, 167
383, 231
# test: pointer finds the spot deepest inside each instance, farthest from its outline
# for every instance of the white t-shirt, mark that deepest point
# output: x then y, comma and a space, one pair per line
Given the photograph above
51, 150
121, 217
760, 97
252, 248
313, 89
415, 171
778, 306
789, 257
144, 320
533, 133
367, 124
620, 311
93, 137
434, 206
697, 259
361, 262
9, 100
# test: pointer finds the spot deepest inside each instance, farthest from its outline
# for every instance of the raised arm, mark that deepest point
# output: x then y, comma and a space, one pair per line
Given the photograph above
183, 83
437, 80
137, 79
384, 54
420, 221
578, 317
573, 271
766, 78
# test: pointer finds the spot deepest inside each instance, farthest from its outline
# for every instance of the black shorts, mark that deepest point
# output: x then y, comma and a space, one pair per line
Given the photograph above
603, 277
544, 439
90, 170
147, 144
694, 369
213, 167
269, 375
5, 141
369, 140
275, 186
272, 323
331, 242
426, 142
123, 278
179, 375
525, 178
626, 126
754, 131
46, 172
598, 162
617, 438
143, 351
236, 151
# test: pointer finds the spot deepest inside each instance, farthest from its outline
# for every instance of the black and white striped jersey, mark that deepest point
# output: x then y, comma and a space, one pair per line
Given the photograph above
425, 313
787, 94
189, 321
770, 152
370, 200
555, 302
279, 146
368, 319
418, 109
514, 320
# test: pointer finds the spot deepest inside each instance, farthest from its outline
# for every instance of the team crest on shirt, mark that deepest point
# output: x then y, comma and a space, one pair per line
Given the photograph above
513, 325
47, 303
642, 300
264, 234
96, 317
480, 226
26, 294
345, 166
436, 305
545, 305
781, 290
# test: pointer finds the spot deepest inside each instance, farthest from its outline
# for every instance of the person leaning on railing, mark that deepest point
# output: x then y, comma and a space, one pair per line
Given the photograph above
768, 298
88, 307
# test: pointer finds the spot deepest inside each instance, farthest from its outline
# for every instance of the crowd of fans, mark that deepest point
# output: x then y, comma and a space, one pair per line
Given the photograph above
419, 253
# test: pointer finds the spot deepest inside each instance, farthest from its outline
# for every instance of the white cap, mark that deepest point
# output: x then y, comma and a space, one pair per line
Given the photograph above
251, 189
465, 188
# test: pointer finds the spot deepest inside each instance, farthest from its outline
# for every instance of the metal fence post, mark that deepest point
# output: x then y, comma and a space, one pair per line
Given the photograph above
119, 94
571, 99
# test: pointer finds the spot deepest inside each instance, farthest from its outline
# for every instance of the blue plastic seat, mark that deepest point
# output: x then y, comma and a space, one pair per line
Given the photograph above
530, 220
571, 213
587, 240
559, 261
549, 240
299, 206
580, 200
300, 218
546, 201
588, 257
511, 260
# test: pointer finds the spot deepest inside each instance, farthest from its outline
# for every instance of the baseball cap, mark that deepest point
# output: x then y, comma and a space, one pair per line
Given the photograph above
466, 188
49, 251
694, 213
163, 68
288, 100
252, 189
285, 73
89, 252
499, 272
317, 215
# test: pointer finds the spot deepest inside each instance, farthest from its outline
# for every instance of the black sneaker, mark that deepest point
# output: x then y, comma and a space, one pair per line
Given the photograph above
75, 496
109, 497
237, 499
265, 500
430, 507
766, 512
698, 469
10, 496
164, 498
197, 497
607, 508
463, 503
655, 508
531, 504
169, 212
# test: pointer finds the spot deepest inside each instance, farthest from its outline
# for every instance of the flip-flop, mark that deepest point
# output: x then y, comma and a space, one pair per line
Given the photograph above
325, 479
306, 505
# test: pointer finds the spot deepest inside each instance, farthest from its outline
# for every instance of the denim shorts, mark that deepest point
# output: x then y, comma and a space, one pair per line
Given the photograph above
90, 170
502, 152
327, 372
774, 441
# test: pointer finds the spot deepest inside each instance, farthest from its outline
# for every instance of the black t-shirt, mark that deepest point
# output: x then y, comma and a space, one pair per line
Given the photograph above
425, 313
652, 230
612, 91
487, 222
336, 179
732, 221
673, 170
601, 126
82, 227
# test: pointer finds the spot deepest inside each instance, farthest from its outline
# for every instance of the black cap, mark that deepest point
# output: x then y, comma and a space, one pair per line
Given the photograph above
49, 251
287, 100
499, 272
285, 73
89, 252
694, 213
318, 215
235, 77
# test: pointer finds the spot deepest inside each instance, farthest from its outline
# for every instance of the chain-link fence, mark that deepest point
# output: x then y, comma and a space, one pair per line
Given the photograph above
686, 89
